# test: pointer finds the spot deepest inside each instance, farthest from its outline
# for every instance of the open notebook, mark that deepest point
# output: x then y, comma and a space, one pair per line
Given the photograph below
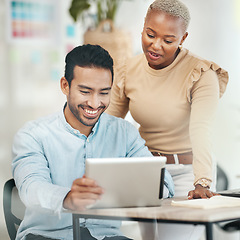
213, 202
128, 182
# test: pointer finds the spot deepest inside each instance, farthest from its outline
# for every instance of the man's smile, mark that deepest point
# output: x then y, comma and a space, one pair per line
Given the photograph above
92, 112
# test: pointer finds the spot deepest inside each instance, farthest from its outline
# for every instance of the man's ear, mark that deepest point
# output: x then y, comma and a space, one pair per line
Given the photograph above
64, 86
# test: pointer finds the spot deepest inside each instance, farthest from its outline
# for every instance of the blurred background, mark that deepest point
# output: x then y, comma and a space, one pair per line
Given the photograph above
35, 36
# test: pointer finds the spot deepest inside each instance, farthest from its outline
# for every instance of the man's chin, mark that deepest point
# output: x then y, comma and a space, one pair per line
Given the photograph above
90, 122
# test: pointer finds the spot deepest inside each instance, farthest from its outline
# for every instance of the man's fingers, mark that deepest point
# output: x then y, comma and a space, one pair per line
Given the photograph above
80, 204
86, 185
83, 189
84, 192
85, 182
86, 195
79, 201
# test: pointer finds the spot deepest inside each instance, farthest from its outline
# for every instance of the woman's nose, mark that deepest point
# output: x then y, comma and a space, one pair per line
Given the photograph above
157, 44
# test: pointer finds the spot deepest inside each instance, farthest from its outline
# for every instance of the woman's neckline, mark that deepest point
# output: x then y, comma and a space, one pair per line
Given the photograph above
153, 71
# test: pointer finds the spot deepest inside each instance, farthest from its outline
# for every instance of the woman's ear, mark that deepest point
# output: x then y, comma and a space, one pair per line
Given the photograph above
64, 86
184, 37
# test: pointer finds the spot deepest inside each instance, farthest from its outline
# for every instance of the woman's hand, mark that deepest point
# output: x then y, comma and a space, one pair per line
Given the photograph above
84, 192
201, 192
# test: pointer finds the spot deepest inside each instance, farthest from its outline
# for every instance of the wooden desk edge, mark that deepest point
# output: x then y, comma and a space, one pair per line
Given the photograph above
164, 213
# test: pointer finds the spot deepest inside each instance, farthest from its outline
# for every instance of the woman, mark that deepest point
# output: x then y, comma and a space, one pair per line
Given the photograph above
173, 95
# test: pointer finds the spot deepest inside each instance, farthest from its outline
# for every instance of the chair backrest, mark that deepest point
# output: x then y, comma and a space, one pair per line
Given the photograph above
13, 208
222, 180
222, 184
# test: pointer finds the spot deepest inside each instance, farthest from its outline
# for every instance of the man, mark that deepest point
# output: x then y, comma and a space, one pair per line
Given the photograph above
49, 153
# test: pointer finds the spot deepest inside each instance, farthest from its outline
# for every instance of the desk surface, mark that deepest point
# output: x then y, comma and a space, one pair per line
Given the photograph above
166, 212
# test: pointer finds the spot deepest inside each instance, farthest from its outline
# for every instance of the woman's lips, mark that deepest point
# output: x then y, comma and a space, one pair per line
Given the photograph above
154, 56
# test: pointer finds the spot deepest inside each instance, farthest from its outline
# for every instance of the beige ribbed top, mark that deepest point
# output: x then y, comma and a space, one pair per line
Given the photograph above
174, 106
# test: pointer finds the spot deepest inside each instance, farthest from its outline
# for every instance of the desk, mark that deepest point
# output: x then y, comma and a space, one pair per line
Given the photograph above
166, 214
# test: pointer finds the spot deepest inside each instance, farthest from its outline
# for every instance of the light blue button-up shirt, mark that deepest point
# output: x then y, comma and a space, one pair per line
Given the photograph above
49, 155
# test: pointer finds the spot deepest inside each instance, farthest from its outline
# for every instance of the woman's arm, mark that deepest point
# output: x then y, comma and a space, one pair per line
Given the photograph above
204, 103
119, 103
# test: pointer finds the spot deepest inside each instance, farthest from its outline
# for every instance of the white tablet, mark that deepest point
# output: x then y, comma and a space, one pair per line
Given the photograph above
128, 182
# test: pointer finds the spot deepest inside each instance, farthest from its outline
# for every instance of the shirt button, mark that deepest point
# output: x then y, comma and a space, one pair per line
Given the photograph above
75, 132
87, 140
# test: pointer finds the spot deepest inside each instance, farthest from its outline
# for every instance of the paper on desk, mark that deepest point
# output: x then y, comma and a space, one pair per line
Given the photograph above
213, 202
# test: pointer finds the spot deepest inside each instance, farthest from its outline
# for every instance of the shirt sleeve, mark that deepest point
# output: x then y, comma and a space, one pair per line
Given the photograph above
32, 175
204, 102
119, 104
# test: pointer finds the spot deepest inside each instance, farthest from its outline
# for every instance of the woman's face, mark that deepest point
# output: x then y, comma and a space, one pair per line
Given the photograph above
162, 34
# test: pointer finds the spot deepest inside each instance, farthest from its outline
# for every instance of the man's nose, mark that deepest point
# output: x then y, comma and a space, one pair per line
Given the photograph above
94, 101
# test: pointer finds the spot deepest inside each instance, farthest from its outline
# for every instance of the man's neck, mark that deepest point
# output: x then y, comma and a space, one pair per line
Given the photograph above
74, 123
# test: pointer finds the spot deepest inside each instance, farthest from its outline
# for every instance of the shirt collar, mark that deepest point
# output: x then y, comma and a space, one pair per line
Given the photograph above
71, 129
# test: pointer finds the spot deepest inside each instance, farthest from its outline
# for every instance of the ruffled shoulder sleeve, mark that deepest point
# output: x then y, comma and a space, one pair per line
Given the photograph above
203, 66
120, 76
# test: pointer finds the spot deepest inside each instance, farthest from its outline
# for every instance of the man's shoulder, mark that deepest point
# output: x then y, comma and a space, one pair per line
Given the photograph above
40, 124
112, 120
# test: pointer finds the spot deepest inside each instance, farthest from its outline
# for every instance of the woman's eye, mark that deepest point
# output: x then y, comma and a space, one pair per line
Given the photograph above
150, 35
168, 42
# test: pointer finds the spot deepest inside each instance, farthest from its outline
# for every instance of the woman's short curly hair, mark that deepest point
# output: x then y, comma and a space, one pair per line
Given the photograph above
172, 7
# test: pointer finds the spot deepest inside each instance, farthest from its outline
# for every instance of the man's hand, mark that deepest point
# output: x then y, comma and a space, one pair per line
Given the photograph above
201, 192
84, 192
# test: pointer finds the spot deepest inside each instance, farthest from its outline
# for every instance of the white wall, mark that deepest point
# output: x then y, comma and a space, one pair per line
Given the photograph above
214, 33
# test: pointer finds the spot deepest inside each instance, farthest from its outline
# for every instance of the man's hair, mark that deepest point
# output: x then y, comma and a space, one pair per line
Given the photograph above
87, 56
173, 8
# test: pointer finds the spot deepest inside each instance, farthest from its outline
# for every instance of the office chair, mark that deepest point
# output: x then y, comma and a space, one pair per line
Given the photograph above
222, 184
13, 208
231, 226
222, 180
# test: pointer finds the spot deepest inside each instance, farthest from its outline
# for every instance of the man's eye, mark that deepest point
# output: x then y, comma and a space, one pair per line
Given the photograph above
104, 93
84, 92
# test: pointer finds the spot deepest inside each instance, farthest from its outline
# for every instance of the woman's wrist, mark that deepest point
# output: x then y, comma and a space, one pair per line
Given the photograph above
203, 182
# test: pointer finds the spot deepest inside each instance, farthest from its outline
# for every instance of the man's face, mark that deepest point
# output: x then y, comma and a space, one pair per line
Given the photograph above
87, 98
